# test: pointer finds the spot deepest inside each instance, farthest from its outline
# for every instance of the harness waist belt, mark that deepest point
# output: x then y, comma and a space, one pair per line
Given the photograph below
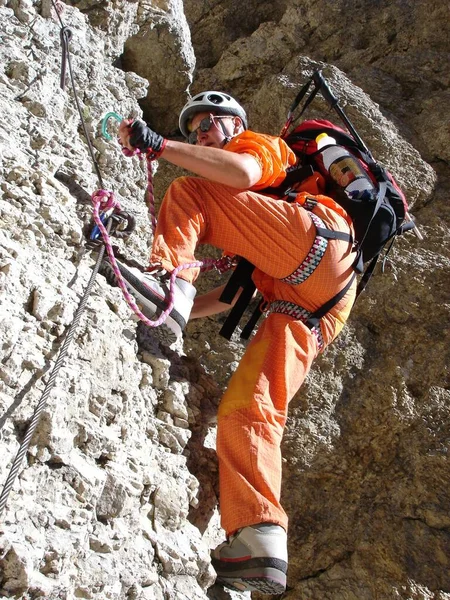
301, 273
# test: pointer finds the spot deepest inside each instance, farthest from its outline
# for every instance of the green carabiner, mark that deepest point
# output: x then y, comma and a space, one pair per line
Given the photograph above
110, 115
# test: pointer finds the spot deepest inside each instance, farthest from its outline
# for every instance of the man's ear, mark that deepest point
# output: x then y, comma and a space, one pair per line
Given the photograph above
238, 125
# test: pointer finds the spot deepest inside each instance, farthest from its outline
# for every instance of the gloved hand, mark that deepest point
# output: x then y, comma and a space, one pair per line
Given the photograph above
144, 138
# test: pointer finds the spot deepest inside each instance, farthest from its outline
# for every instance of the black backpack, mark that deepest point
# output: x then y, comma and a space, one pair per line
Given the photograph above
377, 219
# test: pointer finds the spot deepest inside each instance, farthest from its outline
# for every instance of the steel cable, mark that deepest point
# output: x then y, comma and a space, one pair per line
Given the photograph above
48, 388
221, 265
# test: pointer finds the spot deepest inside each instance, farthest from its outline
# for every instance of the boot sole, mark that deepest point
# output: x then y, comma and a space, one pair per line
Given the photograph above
267, 576
264, 585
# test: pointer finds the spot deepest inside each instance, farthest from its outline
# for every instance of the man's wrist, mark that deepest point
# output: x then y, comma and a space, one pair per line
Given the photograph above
157, 153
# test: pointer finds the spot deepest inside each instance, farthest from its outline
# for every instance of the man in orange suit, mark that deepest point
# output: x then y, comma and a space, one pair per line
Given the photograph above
296, 270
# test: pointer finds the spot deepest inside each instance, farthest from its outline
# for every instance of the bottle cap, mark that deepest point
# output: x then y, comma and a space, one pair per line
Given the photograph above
323, 139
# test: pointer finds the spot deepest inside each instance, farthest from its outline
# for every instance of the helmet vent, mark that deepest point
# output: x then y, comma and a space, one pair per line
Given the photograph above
216, 99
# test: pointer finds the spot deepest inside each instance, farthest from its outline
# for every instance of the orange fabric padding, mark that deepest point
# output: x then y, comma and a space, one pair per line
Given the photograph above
272, 154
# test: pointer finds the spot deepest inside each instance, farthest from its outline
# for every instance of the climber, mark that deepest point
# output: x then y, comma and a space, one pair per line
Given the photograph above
295, 272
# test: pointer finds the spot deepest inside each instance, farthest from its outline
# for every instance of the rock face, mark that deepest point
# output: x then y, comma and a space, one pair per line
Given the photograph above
117, 495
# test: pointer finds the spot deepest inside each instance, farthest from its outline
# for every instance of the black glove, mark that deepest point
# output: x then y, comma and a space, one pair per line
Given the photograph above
144, 138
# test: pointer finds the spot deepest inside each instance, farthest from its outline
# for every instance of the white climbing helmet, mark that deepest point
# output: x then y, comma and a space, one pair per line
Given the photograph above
216, 102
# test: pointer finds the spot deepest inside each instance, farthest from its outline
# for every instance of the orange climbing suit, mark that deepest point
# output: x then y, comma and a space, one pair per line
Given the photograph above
275, 236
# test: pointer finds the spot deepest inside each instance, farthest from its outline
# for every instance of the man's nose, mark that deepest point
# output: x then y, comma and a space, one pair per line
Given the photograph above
202, 136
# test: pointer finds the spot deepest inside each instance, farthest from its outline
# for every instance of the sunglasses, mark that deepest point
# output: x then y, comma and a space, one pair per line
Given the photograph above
204, 126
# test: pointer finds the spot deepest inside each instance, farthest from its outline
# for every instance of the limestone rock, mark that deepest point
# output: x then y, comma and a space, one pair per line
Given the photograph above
161, 51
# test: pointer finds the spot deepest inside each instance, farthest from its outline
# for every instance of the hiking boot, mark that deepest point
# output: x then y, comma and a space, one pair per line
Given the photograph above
151, 290
253, 559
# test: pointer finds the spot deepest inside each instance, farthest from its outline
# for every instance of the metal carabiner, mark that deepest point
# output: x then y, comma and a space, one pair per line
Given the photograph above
110, 115
94, 232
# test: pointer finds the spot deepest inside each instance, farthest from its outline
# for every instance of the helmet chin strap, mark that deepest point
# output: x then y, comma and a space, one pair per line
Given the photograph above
227, 136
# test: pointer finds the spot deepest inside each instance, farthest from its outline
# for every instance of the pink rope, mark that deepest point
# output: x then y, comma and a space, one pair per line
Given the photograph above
149, 192
104, 200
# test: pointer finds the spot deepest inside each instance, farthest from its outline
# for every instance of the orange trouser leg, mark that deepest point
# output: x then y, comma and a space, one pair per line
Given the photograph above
251, 420
265, 231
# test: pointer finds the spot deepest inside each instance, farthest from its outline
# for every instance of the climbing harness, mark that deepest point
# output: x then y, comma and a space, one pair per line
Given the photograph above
314, 256
241, 278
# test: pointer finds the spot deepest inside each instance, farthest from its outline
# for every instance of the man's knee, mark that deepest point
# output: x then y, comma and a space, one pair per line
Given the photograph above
186, 183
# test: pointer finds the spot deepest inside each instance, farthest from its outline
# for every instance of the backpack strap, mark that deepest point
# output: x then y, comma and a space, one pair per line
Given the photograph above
294, 175
314, 319
367, 274
370, 269
240, 278
251, 323
358, 265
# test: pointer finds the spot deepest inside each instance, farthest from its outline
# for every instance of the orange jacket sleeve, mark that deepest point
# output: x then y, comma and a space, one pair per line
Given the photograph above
273, 155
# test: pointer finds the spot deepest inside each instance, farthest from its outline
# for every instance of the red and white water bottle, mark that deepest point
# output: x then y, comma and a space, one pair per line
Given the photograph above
344, 168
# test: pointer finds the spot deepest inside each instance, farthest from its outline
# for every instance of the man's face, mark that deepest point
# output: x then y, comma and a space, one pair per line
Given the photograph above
214, 136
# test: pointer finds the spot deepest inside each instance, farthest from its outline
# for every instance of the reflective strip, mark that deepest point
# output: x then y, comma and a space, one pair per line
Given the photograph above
312, 260
296, 312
